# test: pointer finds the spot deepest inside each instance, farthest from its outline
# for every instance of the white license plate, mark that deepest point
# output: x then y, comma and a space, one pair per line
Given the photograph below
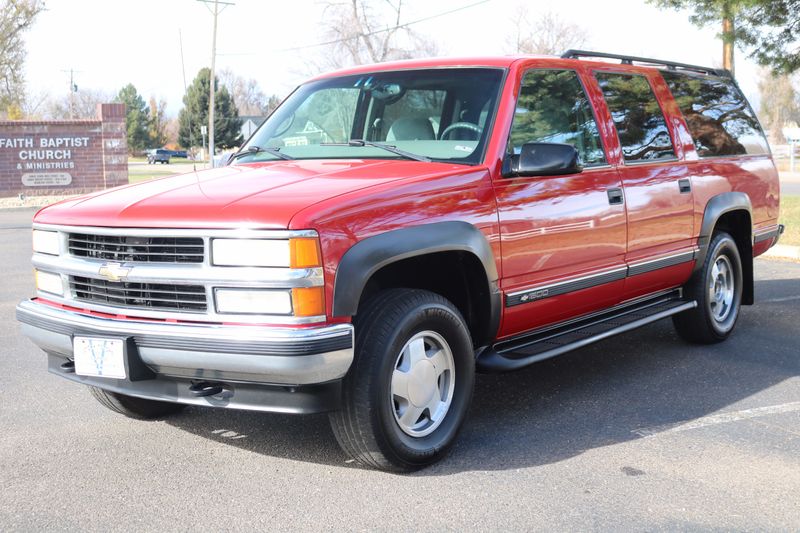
99, 357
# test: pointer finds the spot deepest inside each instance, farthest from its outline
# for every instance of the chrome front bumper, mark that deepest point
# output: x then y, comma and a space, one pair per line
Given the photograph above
257, 355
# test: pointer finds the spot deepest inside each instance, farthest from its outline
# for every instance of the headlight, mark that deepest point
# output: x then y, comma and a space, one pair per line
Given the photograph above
49, 282
253, 301
46, 242
293, 253
250, 252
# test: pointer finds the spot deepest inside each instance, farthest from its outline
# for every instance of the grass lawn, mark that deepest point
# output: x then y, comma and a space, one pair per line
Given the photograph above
139, 170
790, 216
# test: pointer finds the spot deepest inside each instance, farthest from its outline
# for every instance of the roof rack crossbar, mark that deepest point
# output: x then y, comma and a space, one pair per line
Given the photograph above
629, 60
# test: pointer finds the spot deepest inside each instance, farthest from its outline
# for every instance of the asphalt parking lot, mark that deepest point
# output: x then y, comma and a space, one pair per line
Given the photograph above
639, 432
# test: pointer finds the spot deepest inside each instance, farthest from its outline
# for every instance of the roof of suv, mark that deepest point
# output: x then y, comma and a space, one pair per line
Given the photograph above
506, 61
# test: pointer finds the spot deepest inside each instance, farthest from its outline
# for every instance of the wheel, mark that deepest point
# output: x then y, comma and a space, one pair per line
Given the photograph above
407, 393
717, 288
133, 407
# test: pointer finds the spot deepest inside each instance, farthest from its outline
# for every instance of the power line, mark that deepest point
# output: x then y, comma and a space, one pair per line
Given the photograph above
376, 32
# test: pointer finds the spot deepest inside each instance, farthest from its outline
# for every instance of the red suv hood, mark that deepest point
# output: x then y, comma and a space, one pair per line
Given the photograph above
263, 195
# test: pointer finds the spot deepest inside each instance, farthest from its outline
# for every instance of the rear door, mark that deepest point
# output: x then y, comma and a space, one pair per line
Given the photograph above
656, 181
562, 237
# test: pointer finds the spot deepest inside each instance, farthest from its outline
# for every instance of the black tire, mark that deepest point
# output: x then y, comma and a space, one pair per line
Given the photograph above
133, 407
712, 321
367, 427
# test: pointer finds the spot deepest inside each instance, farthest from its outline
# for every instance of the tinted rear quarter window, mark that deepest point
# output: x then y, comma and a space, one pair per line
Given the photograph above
720, 120
637, 116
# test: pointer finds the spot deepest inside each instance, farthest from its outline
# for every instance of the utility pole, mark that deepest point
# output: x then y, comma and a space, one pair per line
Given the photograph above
188, 111
72, 90
211, 89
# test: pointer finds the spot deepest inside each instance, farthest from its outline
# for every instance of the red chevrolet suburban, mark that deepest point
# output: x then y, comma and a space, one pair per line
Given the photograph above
393, 228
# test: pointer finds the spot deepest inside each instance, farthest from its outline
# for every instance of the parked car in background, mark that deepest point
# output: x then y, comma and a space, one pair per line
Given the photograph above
392, 229
158, 155
182, 154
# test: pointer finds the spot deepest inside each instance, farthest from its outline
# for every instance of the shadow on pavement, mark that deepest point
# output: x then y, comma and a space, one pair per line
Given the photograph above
594, 397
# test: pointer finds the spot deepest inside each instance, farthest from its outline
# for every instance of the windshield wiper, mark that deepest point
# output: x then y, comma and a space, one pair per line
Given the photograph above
387, 147
252, 150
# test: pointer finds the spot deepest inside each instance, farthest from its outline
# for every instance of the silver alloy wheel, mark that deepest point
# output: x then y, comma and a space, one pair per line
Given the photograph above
721, 288
423, 381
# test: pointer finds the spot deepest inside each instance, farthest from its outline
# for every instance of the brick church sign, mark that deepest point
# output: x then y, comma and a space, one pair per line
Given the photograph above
64, 156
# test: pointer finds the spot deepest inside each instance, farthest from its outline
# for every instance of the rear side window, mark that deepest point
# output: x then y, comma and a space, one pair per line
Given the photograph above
553, 108
720, 120
637, 116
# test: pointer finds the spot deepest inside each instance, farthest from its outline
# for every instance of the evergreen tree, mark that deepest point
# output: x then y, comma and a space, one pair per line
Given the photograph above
770, 29
137, 118
194, 115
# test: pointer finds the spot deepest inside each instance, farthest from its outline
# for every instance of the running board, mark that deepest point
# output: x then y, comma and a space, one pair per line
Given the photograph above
537, 346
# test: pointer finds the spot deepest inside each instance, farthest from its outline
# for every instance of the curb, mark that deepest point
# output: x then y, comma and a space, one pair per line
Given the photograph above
33, 202
783, 251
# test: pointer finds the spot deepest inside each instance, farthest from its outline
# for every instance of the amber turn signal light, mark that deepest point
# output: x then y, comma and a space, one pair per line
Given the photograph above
308, 301
304, 253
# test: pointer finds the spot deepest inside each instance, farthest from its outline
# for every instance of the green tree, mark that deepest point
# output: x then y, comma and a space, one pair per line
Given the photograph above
194, 115
772, 31
16, 16
768, 29
137, 118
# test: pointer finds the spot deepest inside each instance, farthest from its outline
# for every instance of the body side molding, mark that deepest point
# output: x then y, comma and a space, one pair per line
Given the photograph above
368, 256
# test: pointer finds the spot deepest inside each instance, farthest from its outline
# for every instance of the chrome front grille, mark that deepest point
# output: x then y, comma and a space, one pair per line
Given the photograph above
137, 249
164, 273
154, 296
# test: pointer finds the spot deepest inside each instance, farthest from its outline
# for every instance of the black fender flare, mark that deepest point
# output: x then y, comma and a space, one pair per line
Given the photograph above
716, 207
368, 256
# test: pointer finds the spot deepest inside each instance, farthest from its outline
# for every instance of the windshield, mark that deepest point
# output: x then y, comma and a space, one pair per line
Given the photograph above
436, 114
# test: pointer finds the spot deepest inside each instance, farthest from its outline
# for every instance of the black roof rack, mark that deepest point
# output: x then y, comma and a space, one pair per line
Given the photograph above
629, 60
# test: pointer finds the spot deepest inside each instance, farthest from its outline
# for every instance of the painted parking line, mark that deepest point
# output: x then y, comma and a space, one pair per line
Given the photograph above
721, 418
783, 299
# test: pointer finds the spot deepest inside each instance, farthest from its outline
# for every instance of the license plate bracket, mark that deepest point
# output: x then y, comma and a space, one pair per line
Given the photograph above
109, 357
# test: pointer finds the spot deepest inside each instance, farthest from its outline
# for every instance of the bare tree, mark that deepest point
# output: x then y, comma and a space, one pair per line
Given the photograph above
370, 31
84, 105
16, 16
171, 127
780, 103
158, 121
547, 34
247, 94
35, 104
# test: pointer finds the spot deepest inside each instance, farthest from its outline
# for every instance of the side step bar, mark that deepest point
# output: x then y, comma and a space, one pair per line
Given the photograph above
530, 348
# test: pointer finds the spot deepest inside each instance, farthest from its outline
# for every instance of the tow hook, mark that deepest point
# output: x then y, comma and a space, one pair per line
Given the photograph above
206, 388
68, 367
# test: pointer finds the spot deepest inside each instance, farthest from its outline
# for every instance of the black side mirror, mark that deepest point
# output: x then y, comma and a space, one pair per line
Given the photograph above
543, 159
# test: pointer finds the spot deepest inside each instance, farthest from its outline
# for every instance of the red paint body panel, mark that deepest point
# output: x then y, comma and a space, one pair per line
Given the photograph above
555, 228
541, 230
255, 195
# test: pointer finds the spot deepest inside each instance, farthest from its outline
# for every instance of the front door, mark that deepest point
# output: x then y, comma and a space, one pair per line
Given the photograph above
563, 238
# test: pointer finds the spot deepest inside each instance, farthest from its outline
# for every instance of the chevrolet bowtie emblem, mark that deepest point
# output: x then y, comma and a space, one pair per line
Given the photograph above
113, 271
